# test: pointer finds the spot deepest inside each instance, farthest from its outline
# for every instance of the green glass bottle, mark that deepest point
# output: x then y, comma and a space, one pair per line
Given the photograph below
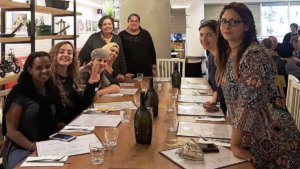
143, 122
176, 77
152, 98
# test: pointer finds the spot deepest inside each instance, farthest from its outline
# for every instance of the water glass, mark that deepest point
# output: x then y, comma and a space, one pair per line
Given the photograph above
125, 115
172, 119
139, 76
97, 153
111, 138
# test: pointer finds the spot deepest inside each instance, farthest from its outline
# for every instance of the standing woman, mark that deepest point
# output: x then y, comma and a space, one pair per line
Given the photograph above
29, 110
208, 39
138, 47
66, 77
98, 40
262, 128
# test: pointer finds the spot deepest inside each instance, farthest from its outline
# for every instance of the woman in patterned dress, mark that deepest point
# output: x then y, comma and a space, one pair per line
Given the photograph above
263, 133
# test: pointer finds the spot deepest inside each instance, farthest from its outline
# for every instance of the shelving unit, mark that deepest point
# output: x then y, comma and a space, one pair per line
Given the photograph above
7, 5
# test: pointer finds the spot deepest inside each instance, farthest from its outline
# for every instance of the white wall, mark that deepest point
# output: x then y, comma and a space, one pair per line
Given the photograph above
88, 13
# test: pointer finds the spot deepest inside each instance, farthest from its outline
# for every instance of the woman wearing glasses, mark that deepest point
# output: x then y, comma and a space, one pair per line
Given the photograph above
208, 39
261, 127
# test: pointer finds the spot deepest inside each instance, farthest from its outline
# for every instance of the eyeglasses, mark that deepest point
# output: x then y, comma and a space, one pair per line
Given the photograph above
208, 21
231, 22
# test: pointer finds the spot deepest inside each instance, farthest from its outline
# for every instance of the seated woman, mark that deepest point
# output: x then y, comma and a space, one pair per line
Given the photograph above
107, 83
288, 63
113, 50
29, 109
65, 76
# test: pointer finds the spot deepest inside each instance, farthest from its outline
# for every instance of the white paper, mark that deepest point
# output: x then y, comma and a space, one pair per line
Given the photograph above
78, 129
192, 99
97, 120
113, 95
44, 161
78, 146
214, 119
128, 91
126, 84
195, 86
211, 160
204, 129
197, 110
111, 106
161, 79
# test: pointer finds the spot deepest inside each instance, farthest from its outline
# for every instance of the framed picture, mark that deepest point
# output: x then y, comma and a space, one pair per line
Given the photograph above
94, 26
18, 18
88, 26
80, 26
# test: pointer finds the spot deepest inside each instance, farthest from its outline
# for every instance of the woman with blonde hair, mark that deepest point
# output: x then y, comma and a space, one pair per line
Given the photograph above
66, 77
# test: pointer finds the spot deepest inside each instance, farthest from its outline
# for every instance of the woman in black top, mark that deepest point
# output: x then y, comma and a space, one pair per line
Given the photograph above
138, 47
29, 110
208, 39
66, 77
98, 40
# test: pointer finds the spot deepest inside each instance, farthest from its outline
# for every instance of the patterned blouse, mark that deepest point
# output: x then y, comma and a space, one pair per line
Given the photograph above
270, 133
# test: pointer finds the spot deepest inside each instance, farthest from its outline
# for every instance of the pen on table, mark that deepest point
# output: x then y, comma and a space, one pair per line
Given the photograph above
203, 138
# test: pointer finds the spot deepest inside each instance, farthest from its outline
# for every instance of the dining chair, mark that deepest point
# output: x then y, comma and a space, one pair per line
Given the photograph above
3, 94
281, 84
295, 102
165, 67
291, 79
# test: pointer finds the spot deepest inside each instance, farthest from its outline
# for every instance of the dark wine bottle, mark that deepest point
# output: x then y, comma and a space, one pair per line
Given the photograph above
152, 98
176, 77
143, 123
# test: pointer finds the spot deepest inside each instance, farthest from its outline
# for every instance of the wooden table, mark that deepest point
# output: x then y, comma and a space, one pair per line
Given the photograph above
129, 154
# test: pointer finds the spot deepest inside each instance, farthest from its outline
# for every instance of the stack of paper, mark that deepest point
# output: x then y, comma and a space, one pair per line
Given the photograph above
126, 84
193, 99
78, 129
211, 160
204, 129
113, 95
61, 148
127, 91
44, 161
194, 86
196, 110
97, 120
113, 106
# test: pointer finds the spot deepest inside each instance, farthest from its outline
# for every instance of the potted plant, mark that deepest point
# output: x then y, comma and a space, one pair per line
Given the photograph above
27, 23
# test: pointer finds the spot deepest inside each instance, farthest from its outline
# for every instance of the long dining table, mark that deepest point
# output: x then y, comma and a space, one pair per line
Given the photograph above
129, 154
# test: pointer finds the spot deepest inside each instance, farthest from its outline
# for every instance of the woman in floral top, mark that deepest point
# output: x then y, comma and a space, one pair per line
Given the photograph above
262, 133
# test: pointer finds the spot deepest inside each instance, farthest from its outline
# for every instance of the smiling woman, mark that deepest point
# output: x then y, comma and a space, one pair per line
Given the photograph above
29, 109
66, 78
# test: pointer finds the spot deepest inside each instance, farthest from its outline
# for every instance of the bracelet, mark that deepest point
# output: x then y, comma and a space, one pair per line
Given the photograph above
30, 146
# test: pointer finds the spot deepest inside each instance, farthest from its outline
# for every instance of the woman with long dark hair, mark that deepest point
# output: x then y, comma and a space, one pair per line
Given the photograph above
261, 126
29, 110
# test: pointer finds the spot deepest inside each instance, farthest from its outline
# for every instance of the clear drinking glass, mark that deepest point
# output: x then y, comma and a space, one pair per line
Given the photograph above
111, 137
125, 114
97, 153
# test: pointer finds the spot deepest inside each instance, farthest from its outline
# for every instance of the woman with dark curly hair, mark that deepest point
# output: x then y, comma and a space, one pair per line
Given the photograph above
28, 114
261, 126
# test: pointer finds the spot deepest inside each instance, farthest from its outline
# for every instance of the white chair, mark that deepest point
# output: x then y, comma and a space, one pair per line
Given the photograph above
165, 67
295, 102
291, 79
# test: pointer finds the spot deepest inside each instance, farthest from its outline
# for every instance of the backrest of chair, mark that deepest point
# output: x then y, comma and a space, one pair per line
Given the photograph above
291, 79
165, 67
281, 84
295, 102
